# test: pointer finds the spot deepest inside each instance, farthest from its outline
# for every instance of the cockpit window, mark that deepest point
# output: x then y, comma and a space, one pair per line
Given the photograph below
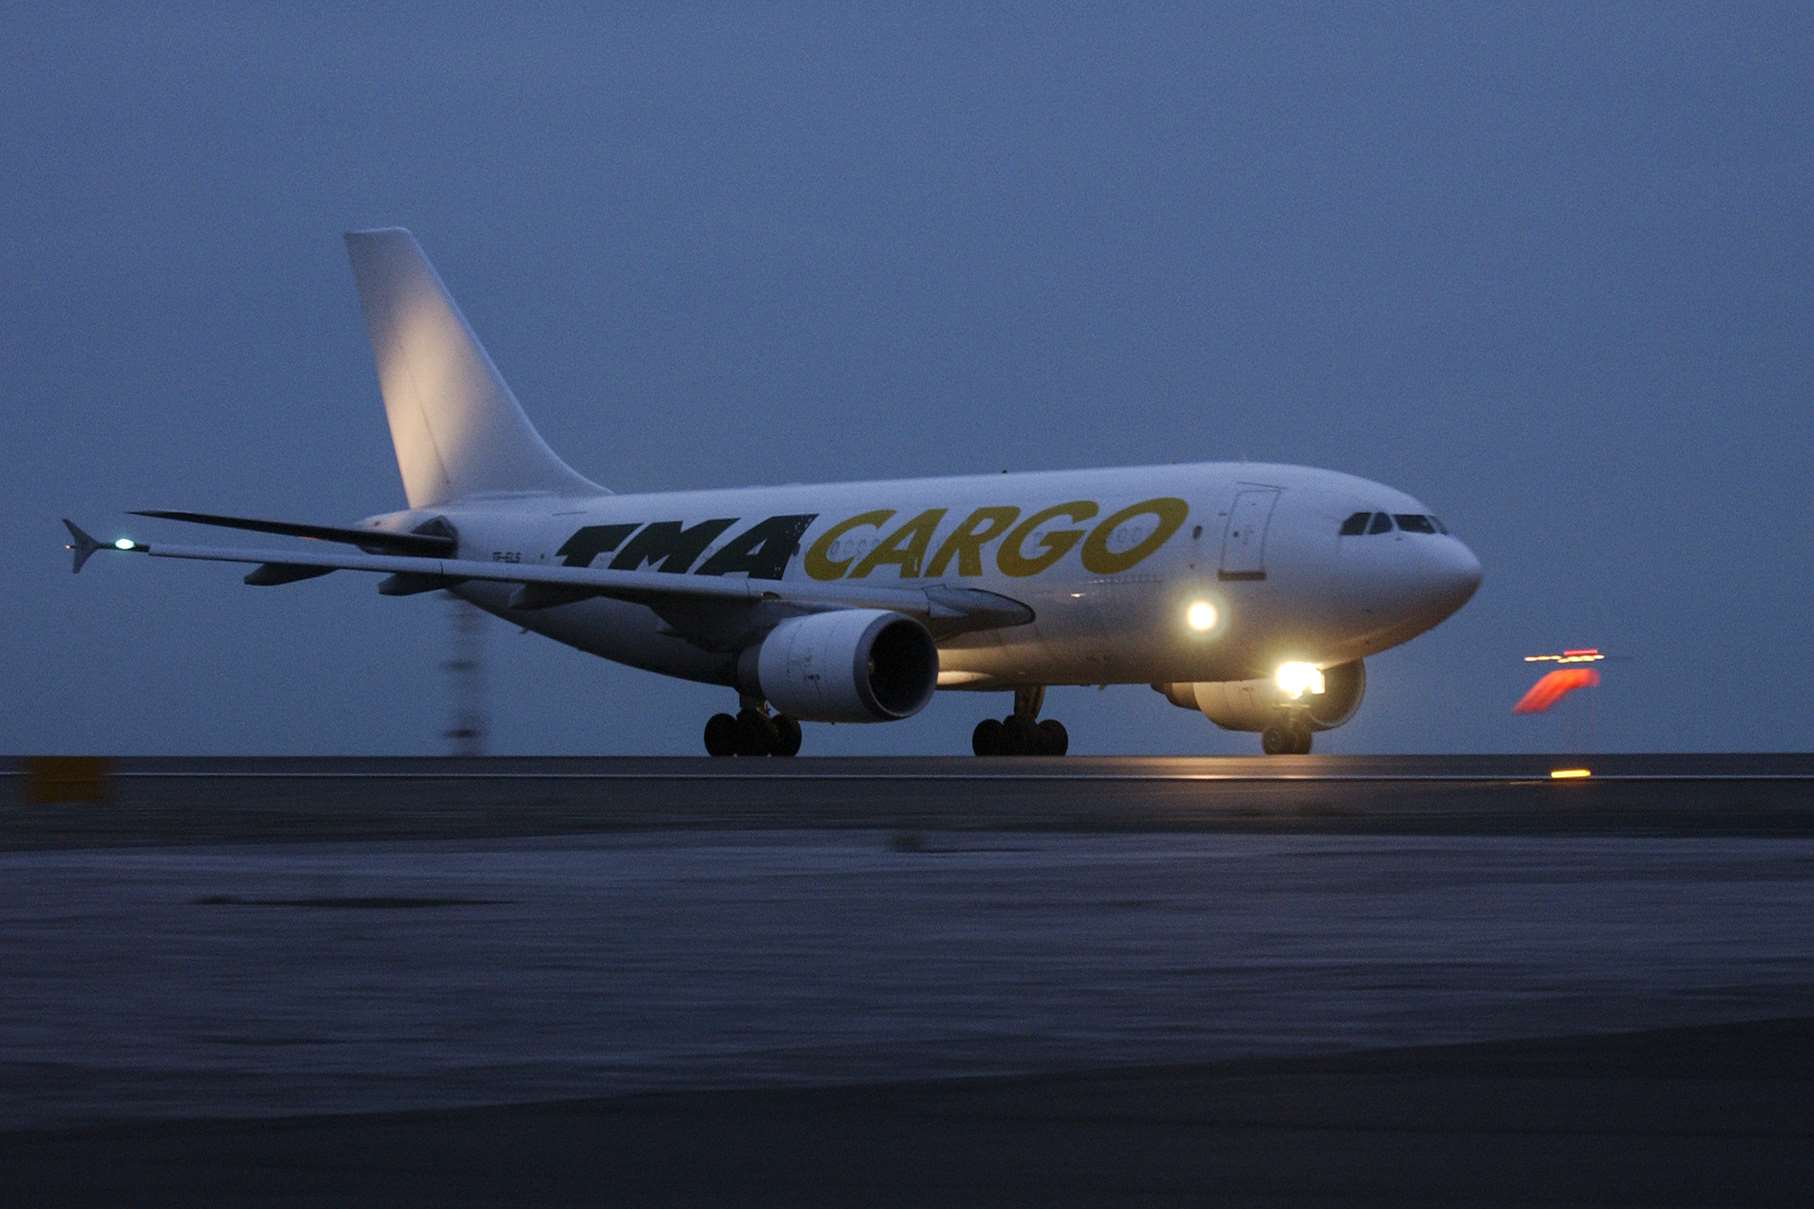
1381, 522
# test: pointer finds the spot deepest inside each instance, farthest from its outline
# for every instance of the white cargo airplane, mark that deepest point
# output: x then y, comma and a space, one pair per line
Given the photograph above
1249, 592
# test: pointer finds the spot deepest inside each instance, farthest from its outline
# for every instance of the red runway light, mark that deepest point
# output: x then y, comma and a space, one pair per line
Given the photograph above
1555, 686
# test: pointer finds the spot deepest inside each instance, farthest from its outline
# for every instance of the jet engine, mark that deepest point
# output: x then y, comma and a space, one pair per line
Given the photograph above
1253, 705
851, 665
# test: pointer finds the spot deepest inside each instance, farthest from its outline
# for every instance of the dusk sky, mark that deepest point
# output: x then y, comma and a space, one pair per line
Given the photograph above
1547, 267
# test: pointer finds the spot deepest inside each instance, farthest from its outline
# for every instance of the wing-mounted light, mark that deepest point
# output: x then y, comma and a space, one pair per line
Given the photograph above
83, 547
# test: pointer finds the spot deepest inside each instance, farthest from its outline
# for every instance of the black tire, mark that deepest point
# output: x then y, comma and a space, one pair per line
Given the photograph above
986, 739
1020, 737
756, 734
1301, 741
787, 736
721, 735
1275, 740
1054, 739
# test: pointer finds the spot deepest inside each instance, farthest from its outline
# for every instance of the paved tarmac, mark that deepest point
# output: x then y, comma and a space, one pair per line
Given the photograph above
758, 985
1700, 1117
185, 800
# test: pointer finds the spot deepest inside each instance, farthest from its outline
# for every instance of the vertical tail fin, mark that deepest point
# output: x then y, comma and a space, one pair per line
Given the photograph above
457, 429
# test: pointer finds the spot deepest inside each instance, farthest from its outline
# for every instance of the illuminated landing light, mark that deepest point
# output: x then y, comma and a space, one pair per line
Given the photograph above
1201, 616
124, 543
1296, 679
1569, 774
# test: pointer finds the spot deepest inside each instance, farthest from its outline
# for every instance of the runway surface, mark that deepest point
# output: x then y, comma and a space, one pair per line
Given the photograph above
731, 985
186, 800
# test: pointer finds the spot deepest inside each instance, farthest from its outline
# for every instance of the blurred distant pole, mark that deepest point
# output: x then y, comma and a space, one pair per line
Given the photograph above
465, 668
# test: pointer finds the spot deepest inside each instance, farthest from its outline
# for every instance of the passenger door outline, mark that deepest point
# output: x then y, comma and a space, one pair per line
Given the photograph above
1244, 538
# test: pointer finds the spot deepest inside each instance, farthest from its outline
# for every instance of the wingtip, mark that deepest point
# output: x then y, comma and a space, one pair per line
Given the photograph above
81, 546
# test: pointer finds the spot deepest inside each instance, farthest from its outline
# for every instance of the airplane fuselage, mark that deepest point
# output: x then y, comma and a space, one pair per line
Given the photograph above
1110, 563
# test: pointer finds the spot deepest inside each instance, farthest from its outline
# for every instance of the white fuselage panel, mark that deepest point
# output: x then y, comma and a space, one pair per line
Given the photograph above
1110, 562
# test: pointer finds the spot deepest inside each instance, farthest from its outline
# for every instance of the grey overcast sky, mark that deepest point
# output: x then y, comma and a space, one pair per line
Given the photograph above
1549, 267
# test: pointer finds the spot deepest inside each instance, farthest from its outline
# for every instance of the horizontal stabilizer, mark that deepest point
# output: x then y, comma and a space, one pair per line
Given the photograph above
427, 544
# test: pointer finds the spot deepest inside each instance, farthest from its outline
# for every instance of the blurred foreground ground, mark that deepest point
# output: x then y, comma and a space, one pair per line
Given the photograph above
1321, 1006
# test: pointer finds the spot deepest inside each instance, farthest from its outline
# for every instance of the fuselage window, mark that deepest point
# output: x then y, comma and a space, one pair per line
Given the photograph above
1355, 524
1410, 522
1440, 527
1382, 523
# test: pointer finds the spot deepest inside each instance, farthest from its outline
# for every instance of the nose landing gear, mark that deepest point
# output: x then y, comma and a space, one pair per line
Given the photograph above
752, 732
1288, 736
1021, 733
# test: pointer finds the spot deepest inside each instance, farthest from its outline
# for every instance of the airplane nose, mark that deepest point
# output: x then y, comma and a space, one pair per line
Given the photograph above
1454, 576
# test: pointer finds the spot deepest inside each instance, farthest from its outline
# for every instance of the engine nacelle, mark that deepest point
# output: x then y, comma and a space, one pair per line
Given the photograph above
1253, 705
852, 665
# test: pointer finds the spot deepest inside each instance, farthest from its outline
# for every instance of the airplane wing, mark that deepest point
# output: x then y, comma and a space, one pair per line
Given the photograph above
946, 610
376, 540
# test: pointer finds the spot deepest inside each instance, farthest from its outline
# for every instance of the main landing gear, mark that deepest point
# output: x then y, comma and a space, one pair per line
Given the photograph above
1020, 733
1288, 736
753, 732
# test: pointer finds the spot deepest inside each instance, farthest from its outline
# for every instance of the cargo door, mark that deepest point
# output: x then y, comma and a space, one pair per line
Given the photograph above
1244, 541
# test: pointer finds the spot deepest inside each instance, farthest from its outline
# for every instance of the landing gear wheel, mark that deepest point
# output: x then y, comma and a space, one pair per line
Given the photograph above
1300, 740
756, 733
1021, 733
787, 736
986, 739
1275, 740
721, 735
1020, 736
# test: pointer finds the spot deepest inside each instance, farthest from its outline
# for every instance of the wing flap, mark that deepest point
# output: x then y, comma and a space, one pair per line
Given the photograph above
271, 575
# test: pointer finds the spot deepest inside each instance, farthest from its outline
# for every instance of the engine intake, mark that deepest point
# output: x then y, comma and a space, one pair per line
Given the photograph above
852, 665
1253, 705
